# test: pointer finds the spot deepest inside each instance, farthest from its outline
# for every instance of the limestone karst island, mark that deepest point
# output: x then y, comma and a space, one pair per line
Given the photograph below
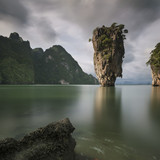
108, 44
154, 63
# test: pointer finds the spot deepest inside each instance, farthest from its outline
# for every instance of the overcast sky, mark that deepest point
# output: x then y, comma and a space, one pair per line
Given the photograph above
70, 23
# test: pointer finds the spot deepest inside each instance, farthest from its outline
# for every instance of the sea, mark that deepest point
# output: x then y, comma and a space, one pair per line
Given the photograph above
111, 123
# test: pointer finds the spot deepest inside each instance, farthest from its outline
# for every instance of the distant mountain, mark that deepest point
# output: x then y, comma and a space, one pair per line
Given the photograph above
124, 81
56, 66
20, 64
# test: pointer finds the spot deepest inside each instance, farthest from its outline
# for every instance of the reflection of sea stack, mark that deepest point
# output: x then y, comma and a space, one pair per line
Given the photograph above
154, 113
107, 109
108, 53
155, 105
154, 62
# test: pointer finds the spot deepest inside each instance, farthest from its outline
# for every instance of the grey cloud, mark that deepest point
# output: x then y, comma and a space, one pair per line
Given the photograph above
137, 14
86, 13
143, 4
46, 30
129, 56
89, 14
46, 5
19, 11
15, 9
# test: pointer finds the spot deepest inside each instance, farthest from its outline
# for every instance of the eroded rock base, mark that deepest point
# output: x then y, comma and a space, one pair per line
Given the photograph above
53, 142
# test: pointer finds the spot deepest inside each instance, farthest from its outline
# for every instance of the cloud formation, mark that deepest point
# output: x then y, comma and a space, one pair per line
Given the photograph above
14, 9
46, 29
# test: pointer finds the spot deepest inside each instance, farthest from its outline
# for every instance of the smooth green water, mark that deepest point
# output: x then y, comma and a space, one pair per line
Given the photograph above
116, 123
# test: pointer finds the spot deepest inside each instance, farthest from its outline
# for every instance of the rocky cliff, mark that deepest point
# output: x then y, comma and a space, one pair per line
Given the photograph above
108, 53
57, 66
53, 142
154, 62
16, 64
155, 76
20, 64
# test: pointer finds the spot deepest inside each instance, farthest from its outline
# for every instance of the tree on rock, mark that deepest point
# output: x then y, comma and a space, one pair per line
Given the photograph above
108, 44
154, 62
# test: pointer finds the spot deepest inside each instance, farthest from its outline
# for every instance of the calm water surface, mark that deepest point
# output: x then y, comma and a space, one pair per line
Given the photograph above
116, 123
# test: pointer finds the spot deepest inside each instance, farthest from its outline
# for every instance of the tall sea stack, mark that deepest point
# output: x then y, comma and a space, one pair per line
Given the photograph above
108, 53
154, 62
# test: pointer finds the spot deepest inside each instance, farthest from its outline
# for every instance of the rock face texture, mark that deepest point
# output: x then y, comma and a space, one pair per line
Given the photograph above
154, 62
108, 53
53, 142
57, 66
20, 64
16, 63
155, 76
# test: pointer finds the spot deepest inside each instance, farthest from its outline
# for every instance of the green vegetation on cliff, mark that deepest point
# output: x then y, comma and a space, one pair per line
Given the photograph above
106, 36
56, 66
108, 44
154, 60
16, 64
20, 64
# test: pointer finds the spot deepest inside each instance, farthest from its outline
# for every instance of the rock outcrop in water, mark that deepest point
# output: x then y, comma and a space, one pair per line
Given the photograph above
154, 62
155, 76
108, 53
53, 142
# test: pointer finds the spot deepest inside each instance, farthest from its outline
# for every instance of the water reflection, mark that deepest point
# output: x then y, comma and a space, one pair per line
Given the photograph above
107, 110
24, 108
155, 114
104, 139
155, 104
121, 122
136, 124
